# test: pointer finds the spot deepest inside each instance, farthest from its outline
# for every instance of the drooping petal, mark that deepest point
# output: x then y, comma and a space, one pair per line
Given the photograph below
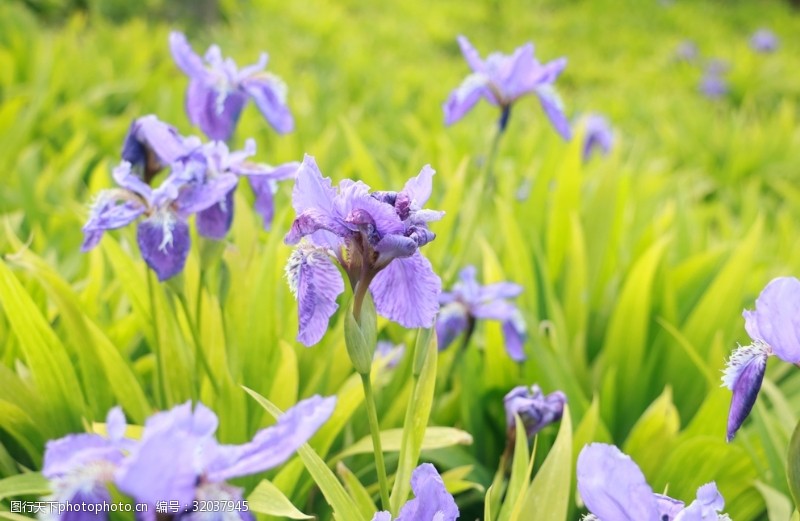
316, 283
612, 486
164, 242
514, 334
215, 221
463, 98
185, 57
554, 108
407, 291
470, 54
269, 94
272, 446
744, 375
432, 501
776, 318
452, 321
264, 190
215, 113
109, 212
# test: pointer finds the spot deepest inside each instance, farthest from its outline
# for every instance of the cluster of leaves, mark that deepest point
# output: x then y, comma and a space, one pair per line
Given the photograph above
635, 268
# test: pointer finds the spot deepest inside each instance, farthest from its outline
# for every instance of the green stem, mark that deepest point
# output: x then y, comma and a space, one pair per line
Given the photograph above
375, 430
490, 159
156, 347
200, 355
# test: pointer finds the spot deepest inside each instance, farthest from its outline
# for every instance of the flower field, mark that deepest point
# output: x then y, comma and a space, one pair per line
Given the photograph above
421, 261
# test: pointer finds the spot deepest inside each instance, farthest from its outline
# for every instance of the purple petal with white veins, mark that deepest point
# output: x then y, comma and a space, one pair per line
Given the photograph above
215, 221
612, 486
76, 450
197, 197
272, 446
407, 291
185, 57
269, 94
107, 213
432, 501
744, 375
452, 321
316, 283
776, 319
216, 116
554, 109
164, 242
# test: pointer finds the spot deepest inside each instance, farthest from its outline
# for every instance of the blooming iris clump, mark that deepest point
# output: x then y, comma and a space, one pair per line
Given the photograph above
179, 459
502, 79
432, 502
597, 136
81, 466
764, 41
774, 327
374, 236
534, 408
614, 488
469, 301
218, 90
201, 181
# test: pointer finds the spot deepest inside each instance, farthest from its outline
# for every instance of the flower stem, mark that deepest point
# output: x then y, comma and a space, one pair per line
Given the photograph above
156, 347
200, 355
462, 349
375, 431
490, 159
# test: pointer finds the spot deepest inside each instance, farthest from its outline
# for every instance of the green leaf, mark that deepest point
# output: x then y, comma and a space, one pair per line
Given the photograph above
29, 483
521, 467
416, 422
392, 440
357, 491
343, 505
266, 498
653, 435
778, 505
547, 499
793, 466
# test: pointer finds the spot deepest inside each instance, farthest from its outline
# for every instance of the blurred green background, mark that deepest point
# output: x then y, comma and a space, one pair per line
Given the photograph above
636, 266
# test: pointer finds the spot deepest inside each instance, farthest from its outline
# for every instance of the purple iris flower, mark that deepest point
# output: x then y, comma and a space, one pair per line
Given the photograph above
469, 301
502, 79
374, 236
764, 41
535, 409
216, 173
179, 459
713, 85
597, 136
432, 502
774, 327
163, 235
151, 145
614, 488
218, 90
80, 467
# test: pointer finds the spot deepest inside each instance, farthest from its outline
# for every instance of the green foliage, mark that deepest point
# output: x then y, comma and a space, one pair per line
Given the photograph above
635, 266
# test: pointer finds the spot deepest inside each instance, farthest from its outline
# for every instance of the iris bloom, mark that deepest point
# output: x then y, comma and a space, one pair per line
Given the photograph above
432, 502
374, 236
764, 41
152, 145
502, 79
535, 409
597, 136
80, 467
218, 90
614, 489
469, 301
179, 459
774, 327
